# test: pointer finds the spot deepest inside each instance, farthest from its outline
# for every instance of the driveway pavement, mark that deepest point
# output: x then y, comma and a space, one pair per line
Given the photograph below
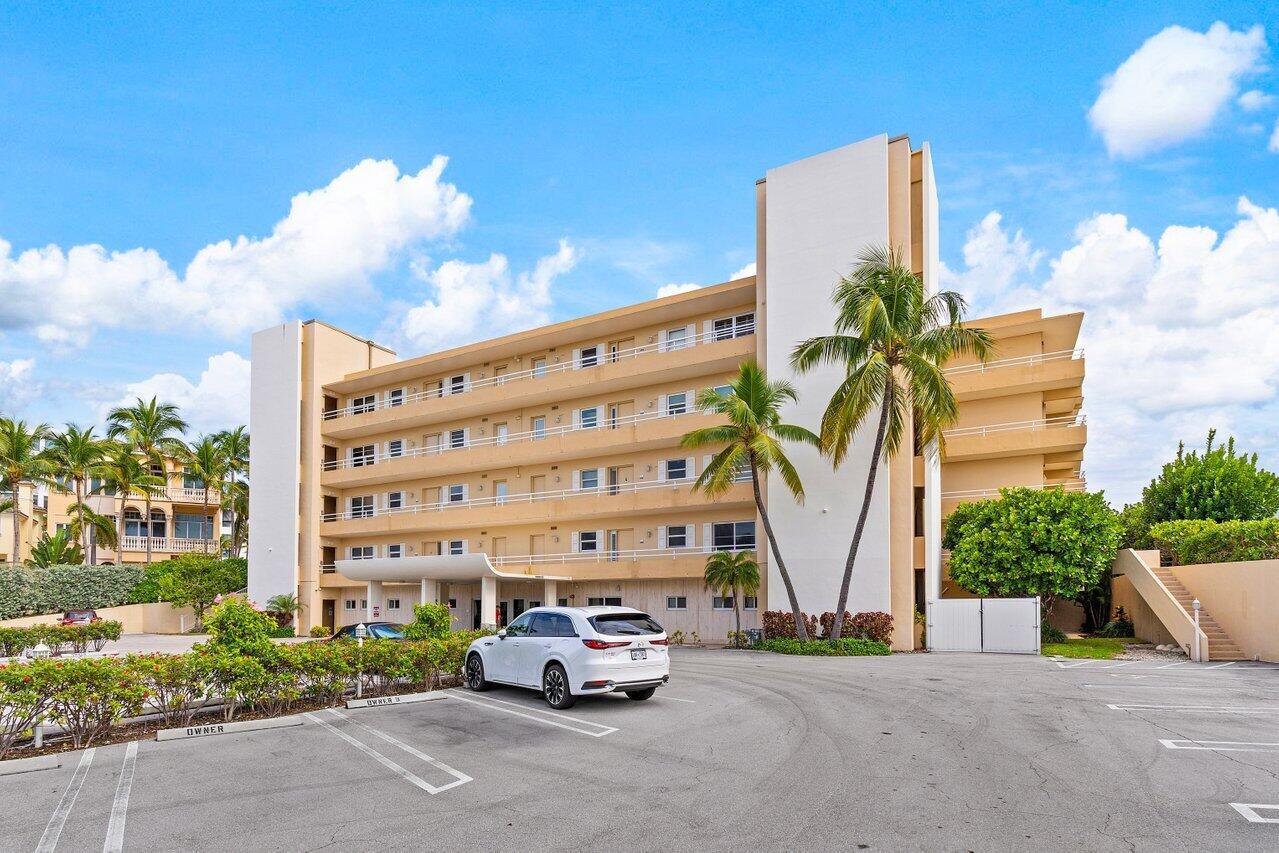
743, 751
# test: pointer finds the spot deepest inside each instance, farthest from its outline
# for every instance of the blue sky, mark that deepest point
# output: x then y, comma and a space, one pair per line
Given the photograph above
603, 154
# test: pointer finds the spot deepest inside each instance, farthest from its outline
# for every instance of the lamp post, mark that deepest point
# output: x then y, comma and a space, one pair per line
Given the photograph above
360, 633
1195, 605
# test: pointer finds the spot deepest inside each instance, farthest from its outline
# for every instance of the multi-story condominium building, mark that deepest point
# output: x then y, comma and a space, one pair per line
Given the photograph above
545, 466
31, 505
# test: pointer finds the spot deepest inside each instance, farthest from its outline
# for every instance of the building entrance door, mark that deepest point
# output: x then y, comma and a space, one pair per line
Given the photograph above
327, 618
619, 476
475, 614
499, 548
619, 541
502, 611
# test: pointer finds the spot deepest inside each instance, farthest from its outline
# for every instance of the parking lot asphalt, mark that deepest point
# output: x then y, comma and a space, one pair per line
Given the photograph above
741, 751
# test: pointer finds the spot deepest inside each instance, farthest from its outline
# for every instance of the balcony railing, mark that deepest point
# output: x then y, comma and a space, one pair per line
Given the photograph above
523, 498
1037, 358
538, 372
982, 494
1018, 426
509, 438
617, 556
160, 543
189, 495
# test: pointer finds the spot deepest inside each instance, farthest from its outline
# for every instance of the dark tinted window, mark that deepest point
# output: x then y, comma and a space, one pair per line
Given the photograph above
625, 624
552, 625
520, 626
386, 632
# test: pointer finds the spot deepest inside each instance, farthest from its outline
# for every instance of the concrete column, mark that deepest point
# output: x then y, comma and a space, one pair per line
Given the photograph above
430, 592
550, 593
488, 602
374, 599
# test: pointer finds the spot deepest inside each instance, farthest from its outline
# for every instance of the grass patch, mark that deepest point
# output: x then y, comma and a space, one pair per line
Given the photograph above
1100, 648
843, 647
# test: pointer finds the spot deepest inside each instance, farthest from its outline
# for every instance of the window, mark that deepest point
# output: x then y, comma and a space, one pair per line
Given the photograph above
588, 540
395, 447
734, 327
360, 405
395, 397
676, 602
677, 536
394, 552
452, 604
590, 478
676, 339
499, 491
589, 418
457, 438
539, 367
563, 602
517, 606
676, 469
539, 427
733, 535
457, 546
188, 526
362, 507
723, 390
392, 604
722, 602
362, 455
189, 481
348, 604
520, 627
364, 604
677, 404
133, 525
394, 500
590, 357
552, 625
750, 602
501, 431
362, 552
457, 384
457, 494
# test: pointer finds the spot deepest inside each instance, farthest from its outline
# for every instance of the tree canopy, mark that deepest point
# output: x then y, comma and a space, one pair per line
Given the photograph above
1219, 484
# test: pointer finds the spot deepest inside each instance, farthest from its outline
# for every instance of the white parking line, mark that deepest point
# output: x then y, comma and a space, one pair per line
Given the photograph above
1248, 810
120, 806
1171, 665
1117, 665
1220, 665
459, 777
406, 775
487, 703
1157, 687
53, 831
1191, 709
1221, 745
677, 699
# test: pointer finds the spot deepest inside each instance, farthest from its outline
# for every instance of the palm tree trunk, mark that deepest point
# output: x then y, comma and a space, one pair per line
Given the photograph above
79, 499
119, 530
205, 517
800, 630
147, 528
737, 615
861, 516
17, 529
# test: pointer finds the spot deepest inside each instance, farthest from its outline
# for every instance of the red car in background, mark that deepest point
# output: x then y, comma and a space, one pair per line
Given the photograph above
79, 617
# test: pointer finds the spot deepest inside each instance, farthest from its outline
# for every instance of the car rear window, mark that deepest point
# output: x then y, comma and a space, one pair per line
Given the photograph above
625, 624
78, 614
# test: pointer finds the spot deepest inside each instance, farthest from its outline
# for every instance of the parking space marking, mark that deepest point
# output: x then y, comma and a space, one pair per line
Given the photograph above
1221, 745
53, 831
1158, 687
120, 805
403, 773
459, 778
1117, 665
677, 699
1220, 665
1191, 709
487, 703
1171, 665
1249, 811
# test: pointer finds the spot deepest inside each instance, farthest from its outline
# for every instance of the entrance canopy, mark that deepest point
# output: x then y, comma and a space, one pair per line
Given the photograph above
450, 568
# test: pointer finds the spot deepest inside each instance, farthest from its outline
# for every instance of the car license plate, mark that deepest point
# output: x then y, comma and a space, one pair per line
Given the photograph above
639, 654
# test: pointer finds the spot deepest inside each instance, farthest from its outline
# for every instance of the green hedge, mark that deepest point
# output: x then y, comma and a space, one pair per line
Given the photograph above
59, 638
1192, 542
843, 647
147, 591
32, 591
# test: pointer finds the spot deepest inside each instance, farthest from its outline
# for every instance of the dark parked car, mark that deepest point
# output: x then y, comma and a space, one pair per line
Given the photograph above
79, 617
376, 631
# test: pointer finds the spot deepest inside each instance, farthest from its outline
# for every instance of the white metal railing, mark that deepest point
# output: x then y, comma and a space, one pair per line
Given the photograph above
160, 543
1067, 486
190, 495
1037, 358
1014, 426
522, 498
604, 555
379, 455
601, 358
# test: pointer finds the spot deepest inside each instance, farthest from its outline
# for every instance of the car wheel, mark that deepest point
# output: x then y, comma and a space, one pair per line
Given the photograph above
475, 674
555, 688
641, 695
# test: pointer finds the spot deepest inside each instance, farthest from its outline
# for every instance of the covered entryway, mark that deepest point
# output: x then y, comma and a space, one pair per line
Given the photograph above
984, 625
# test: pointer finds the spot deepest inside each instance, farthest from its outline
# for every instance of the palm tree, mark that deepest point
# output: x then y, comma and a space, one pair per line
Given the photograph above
235, 452
22, 460
76, 455
893, 341
733, 573
124, 475
235, 500
56, 550
151, 430
753, 437
205, 462
89, 525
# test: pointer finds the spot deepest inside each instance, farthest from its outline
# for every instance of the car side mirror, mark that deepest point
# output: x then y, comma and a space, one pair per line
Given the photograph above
501, 635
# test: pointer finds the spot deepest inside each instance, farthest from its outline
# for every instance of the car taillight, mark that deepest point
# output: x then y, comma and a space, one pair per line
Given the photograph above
601, 644
661, 642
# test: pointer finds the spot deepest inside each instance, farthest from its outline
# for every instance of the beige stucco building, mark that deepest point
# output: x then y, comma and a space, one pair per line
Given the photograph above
545, 466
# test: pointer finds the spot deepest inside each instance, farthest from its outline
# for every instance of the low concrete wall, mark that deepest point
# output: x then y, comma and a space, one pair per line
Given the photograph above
158, 618
1243, 598
1145, 624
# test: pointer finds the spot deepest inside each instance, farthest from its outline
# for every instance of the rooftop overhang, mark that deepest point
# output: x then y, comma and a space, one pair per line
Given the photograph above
451, 568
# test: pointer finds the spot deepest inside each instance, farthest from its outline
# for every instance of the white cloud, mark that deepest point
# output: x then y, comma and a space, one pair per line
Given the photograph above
672, 289
469, 301
327, 247
1273, 147
218, 400
1178, 332
744, 272
17, 384
1255, 99
996, 264
1174, 86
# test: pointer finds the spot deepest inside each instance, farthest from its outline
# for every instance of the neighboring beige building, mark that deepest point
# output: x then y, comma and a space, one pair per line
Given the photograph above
545, 466
32, 508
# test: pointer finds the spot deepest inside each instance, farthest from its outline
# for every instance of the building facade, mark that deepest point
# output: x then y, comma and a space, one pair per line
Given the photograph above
545, 466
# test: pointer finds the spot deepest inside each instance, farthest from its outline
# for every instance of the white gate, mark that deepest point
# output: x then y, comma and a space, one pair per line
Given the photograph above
984, 625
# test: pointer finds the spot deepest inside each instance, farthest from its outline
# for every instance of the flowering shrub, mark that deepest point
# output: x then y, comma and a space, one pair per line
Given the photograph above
87, 697
318, 631
23, 700
872, 625
177, 687
236, 626
781, 624
59, 638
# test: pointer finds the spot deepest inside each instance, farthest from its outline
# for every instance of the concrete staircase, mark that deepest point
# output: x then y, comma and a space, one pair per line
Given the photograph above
1220, 646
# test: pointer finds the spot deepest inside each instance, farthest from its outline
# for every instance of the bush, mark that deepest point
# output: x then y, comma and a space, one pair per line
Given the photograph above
1192, 542
872, 625
430, 621
23, 701
198, 581
780, 624
176, 685
232, 575
237, 627
32, 591
843, 647
59, 638
1220, 484
320, 631
235, 678
87, 697
1049, 634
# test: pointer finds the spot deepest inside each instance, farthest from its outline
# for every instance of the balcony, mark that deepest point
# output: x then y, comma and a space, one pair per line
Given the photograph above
1048, 371
160, 544
183, 494
952, 499
1060, 435
644, 431
640, 498
708, 353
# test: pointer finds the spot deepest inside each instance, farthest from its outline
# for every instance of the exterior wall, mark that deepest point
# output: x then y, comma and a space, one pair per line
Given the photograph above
157, 618
1145, 624
1244, 599
32, 523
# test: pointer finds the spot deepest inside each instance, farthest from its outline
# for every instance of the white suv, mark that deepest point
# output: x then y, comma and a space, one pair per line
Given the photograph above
568, 652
